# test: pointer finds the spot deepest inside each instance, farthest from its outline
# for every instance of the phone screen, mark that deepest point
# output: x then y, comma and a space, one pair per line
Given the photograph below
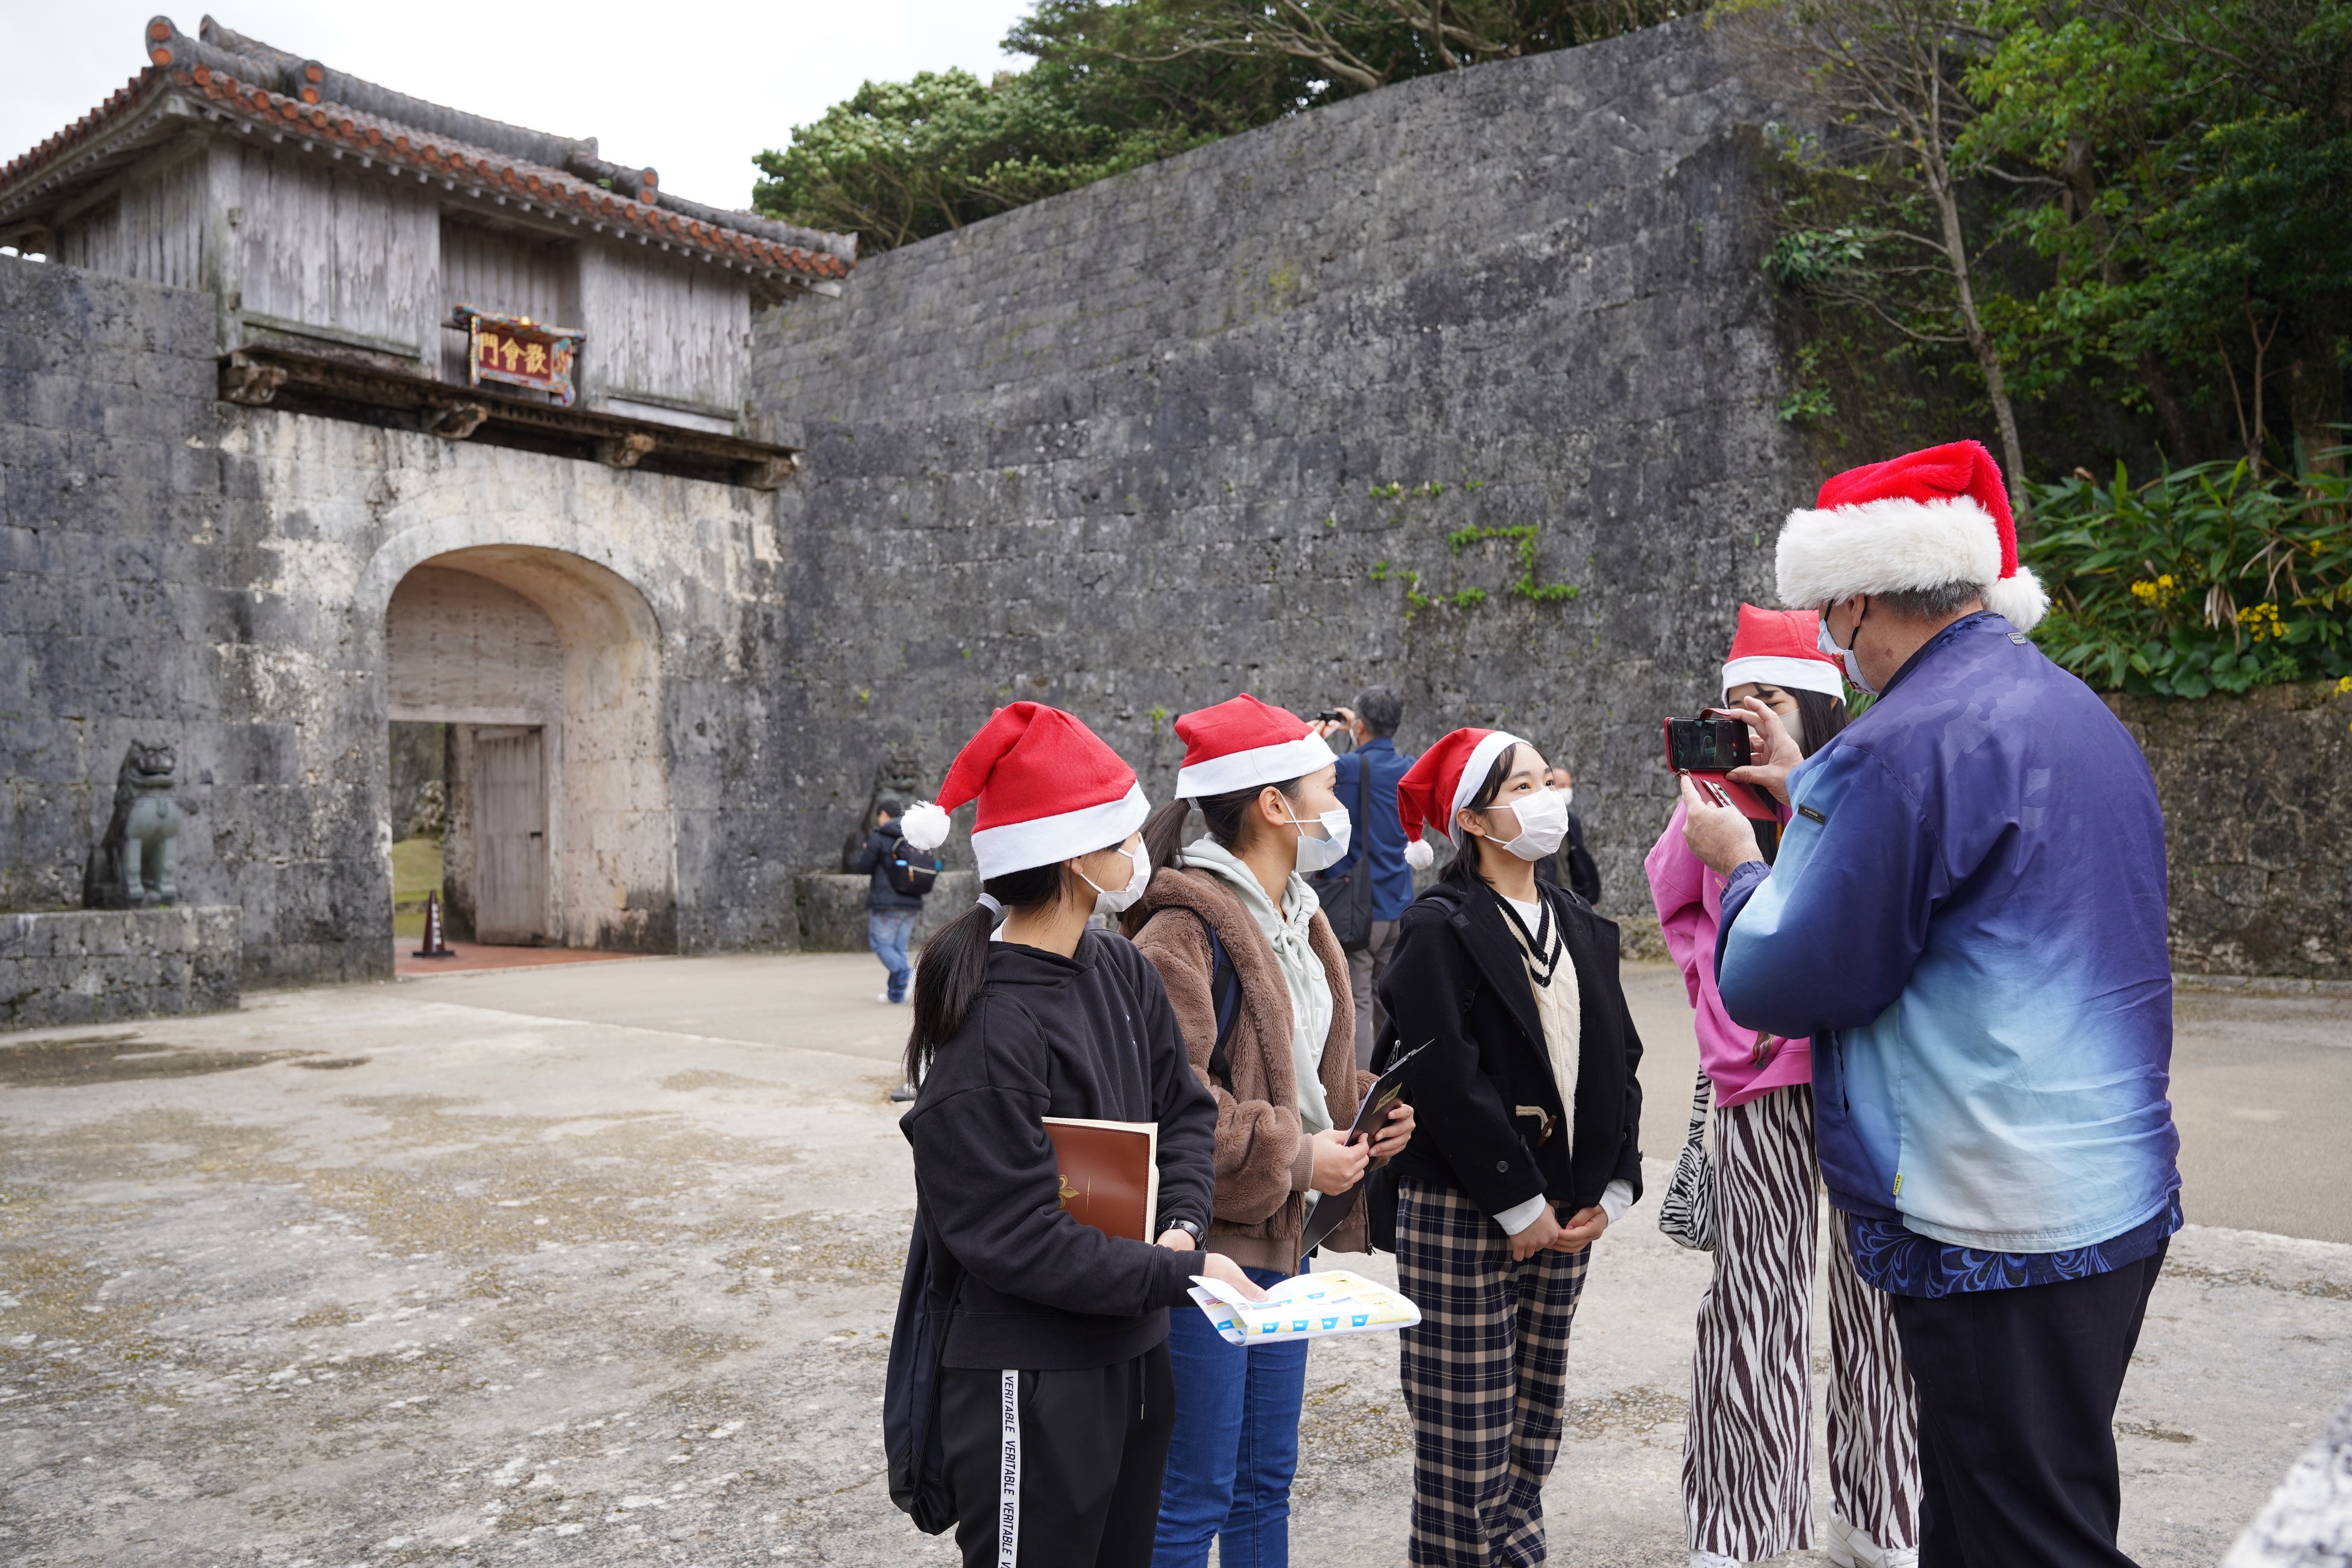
1707, 745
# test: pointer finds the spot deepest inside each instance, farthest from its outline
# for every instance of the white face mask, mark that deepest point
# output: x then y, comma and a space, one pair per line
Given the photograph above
1319, 854
1543, 823
1567, 794
1828, 645
1117, 901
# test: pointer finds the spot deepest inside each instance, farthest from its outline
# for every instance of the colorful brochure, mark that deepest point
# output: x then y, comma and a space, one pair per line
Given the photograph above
1304, 1306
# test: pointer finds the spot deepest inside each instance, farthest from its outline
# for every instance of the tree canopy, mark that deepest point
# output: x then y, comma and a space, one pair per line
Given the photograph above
1118, 83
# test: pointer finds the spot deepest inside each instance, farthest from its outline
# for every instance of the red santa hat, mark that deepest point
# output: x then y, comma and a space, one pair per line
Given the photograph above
1782, 648
1442, 781
1916, 522
1048, 790
1243, 742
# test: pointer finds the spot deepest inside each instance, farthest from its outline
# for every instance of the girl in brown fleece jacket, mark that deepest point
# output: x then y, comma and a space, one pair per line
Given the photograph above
1286, 1088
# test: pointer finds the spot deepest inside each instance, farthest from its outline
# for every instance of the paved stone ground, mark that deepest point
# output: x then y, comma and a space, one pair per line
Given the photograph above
594, 1265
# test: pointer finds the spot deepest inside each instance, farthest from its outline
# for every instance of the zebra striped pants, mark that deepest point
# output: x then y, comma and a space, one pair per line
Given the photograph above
1747, 1459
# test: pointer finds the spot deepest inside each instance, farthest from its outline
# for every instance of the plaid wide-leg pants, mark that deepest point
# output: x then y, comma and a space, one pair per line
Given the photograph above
1485, 1374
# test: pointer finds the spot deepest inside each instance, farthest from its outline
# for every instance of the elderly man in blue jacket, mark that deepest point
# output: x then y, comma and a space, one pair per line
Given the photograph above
1966, 913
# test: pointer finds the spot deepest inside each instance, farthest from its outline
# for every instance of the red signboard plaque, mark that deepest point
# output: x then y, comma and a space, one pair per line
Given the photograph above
519, 352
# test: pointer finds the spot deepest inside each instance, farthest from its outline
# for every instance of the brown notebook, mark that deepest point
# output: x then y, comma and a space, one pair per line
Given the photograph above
1109, 1172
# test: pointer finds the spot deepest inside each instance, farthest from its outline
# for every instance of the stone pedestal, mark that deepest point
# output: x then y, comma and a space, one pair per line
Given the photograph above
832, 907
99, 966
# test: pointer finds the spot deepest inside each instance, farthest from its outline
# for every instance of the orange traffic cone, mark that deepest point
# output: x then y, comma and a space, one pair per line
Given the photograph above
433, 946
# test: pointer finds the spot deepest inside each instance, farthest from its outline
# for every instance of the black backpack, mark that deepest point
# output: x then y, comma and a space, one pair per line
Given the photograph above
910, 871
1347, 899
910, 1387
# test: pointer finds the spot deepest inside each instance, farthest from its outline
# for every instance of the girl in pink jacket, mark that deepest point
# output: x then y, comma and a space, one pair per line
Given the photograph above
1747, 1458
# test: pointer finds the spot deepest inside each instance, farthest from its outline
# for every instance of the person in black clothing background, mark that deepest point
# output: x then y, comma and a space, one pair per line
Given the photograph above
890, 913
1055, 1396
1573, 866
1529, 1145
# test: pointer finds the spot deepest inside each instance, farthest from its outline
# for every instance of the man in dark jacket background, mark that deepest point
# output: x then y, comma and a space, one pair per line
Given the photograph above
890, 914
1378, 842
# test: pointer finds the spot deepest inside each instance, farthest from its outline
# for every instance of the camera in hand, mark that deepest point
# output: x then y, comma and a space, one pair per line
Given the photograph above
1707, 745
1330, 716
1707, 748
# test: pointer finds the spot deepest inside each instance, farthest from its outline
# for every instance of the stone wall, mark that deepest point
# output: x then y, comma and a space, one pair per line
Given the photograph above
1189, 431
94, 966
2257, 796
832, 909
176, 568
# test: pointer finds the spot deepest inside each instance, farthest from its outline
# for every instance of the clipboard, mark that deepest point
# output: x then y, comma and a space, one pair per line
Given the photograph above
1379, 1100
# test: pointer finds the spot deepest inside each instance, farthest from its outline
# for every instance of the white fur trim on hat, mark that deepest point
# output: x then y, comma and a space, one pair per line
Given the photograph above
1042, 840
1888, 546
1790, 674
2018, 599
1258, 765
1418, 854
1475, 769
925, 825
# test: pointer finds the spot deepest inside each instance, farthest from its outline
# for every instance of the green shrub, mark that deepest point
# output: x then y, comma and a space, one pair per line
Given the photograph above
2206, 578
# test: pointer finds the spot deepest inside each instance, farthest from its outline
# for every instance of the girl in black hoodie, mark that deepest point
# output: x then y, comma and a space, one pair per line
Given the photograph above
1528, 1149
1056, 1400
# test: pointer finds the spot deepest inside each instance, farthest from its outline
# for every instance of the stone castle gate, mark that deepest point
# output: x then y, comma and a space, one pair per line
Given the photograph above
548, 667
328, 409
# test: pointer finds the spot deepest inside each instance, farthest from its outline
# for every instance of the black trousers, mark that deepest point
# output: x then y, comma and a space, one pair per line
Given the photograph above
1058, 1469
2017, 1407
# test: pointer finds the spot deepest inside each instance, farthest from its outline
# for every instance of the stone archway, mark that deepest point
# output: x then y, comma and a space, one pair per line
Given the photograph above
547, 667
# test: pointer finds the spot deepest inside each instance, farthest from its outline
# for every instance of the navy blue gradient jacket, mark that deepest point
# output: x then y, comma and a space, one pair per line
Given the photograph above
1968, 916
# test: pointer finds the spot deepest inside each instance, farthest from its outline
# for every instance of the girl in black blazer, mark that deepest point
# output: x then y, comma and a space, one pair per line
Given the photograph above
1528, 1144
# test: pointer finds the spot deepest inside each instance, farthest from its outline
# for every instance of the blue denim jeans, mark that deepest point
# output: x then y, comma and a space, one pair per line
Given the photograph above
887, 931
1235, 1447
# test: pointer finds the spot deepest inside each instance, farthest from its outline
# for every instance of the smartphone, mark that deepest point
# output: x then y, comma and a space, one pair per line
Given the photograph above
1707, 745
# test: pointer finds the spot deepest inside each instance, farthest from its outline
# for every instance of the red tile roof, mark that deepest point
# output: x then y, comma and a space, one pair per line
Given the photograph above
403, 147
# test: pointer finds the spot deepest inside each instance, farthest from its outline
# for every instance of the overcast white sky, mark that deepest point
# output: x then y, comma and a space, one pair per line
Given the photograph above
692, 87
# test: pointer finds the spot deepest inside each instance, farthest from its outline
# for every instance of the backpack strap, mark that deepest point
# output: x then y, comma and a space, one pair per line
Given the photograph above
1225, 991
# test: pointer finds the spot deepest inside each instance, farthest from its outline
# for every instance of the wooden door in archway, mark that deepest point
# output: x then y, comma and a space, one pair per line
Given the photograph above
510, 834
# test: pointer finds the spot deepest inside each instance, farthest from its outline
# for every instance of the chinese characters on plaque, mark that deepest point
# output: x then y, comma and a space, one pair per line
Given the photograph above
519, 352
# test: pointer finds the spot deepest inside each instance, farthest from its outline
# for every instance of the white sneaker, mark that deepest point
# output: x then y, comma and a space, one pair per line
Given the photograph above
1713, 1559
885, 998
1851, 1546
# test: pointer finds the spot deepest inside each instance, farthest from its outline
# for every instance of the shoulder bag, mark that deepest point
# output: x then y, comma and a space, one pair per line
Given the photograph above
1686, 1213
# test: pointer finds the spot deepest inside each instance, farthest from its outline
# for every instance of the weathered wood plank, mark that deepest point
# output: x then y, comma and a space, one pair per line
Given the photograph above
339, 248
152, 226
665, 330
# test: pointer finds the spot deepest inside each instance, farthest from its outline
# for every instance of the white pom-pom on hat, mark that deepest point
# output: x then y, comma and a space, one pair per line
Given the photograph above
1418, 854
925, 825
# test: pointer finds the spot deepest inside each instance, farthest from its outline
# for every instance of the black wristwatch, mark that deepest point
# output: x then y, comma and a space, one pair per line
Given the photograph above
1186, 1226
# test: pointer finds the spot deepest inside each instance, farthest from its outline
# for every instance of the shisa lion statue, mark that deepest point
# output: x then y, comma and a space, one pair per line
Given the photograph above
135, 866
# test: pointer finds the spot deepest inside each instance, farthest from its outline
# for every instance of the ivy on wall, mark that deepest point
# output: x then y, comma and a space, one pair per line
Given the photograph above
1524, 538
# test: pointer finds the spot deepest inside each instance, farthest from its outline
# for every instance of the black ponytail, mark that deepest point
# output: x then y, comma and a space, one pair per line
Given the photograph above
1464, 866
954, 967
